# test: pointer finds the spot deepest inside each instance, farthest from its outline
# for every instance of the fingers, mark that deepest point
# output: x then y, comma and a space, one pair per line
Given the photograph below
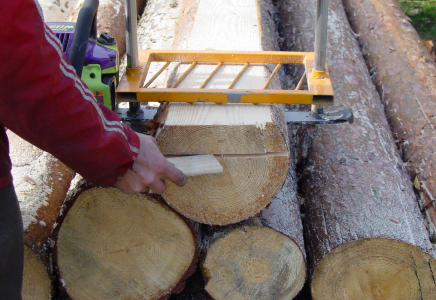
175, 175
158, 186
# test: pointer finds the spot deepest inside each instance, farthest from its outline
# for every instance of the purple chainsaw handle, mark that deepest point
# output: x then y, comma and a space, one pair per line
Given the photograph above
86, 26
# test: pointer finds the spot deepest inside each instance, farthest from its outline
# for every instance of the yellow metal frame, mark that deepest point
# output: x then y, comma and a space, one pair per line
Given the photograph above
132, 87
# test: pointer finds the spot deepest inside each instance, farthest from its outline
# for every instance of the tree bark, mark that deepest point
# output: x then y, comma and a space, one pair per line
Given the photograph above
353, 182
250, 141
41, 183
113, 245
405, 76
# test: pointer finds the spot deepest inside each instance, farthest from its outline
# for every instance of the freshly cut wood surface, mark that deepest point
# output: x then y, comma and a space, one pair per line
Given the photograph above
36, 281
41, 183
253, 262
375, 269
404, 73
258, 257
353, 182
111, 245
197, 164
249, 138
241, 191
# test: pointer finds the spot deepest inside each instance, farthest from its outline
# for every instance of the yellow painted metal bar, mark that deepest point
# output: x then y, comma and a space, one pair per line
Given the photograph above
225, 96
131, 85
271, 76
184, 74
157, 74
274, 57
211, 75
300, 83
238, 76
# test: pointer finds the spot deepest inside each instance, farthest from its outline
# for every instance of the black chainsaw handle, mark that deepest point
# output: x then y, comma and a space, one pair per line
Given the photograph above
86, 27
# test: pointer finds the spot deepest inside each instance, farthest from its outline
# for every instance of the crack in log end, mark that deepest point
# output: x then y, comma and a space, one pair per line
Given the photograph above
415, 269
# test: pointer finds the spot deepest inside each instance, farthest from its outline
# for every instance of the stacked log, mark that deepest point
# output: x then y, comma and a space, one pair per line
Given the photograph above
365, 236
111, 245
407, 88
37, 284
41, 184
261, 257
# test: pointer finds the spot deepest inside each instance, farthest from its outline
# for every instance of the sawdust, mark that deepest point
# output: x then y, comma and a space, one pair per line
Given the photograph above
61, 10
33, 180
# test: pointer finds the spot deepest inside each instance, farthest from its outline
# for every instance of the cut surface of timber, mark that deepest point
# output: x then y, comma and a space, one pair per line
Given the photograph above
248, 137
36, 282
253, 262
404, 73
375, 269
353, 181
242, 190
117, 246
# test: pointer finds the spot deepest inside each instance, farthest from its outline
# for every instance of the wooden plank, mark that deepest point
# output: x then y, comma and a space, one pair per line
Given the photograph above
197, 165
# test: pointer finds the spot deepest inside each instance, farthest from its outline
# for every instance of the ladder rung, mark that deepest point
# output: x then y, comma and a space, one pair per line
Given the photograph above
156, 75
184, 75
272, 74
238, 76
211, 75
300, 83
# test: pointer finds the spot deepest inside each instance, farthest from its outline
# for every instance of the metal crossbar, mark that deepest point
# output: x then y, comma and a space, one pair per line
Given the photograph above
132, 88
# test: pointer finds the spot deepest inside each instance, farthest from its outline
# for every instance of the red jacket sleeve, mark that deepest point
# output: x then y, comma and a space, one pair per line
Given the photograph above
43, 101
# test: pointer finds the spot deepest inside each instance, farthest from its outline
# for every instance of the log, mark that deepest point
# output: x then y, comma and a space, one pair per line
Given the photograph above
260, 258
37, 284
407, 87
360, 208
41, 184
249, 141
111, 245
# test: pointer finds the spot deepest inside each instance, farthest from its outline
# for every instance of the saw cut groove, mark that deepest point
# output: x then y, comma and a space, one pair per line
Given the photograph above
117, 246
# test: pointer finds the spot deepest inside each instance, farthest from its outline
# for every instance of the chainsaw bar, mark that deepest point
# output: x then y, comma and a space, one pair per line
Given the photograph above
332, 116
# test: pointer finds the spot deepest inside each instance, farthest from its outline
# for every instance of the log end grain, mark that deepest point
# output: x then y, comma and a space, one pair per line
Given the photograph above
254, 262
36, 281
246, 186
117, 246
375, 269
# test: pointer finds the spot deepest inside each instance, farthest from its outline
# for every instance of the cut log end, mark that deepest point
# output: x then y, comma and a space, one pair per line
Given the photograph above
114, 245
375, 269
246, 186
36, 282
266, 265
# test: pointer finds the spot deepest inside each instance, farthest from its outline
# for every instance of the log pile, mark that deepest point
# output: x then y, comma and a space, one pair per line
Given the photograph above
361, 216
407, 88
110, 245
363, 232
37, 284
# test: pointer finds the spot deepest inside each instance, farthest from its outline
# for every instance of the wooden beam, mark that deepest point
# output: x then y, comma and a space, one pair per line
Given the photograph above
250, 141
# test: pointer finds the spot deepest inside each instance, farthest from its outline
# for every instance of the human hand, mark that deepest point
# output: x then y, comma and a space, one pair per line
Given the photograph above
148, 169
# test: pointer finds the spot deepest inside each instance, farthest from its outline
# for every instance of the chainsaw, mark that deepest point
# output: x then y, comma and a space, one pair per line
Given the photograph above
98, 66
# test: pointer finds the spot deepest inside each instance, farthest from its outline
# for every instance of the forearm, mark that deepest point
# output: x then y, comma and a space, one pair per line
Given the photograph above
44, 102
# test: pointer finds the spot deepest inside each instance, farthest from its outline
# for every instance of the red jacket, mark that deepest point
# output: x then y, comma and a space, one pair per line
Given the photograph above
43, 101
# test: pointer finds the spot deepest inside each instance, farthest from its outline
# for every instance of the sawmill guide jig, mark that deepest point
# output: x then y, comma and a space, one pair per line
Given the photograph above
134, 88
